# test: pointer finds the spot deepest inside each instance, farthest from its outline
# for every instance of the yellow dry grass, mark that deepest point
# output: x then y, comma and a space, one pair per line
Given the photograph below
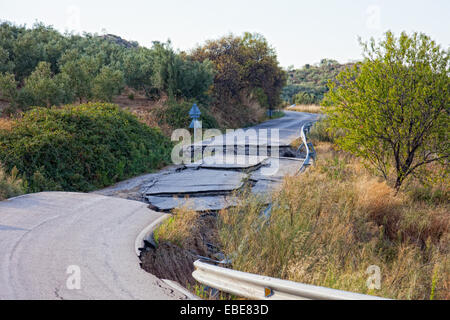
10, 184
306, 108
5, 124
329, 225
178, 228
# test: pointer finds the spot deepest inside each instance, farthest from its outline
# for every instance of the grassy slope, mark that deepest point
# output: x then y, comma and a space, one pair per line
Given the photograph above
81, 148
330, 225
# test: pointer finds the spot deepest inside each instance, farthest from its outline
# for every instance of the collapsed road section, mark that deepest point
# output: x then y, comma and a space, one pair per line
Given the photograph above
211, 186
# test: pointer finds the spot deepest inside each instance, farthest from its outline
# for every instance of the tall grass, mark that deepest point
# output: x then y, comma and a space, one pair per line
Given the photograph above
329, 225
178, 228
10, 184
306, 108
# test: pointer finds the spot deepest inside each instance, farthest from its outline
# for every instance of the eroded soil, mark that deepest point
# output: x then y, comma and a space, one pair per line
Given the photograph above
172, 262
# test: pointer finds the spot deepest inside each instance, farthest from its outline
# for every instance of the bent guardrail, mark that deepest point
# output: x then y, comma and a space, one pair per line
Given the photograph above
259, 287
305, 144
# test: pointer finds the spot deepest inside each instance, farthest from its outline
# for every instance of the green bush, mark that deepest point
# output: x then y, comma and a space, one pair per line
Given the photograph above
321, 131
305, 98
81, 148
176, 115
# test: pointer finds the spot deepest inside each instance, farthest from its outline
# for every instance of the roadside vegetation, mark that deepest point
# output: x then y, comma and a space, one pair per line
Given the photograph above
60, 130
10, 184
309, 108
345, 215
309, 84
235, 78
363, 203
329, 226
80, 148
394, 107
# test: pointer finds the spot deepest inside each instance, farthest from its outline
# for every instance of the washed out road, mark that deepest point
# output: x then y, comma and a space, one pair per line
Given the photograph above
52, 242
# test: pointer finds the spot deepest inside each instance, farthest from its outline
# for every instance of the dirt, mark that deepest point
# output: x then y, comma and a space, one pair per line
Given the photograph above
170, 261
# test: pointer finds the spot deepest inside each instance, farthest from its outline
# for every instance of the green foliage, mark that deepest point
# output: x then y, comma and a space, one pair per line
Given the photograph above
79, 73
261, 97
50, 68
137, 67
179, 75
322, 132
6, 66
176, 115
10, 184
243, 64
305, 98
96, 67
309, 84
8, 88
107, 83
394, 106
81, 148
41, 87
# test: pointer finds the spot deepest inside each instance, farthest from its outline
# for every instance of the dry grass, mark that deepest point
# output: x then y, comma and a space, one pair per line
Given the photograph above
178, 228
327, 227
306, 108
6, 124
10, 184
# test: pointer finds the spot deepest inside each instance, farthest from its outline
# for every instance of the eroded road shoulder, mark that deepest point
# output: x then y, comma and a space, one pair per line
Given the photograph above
49, 239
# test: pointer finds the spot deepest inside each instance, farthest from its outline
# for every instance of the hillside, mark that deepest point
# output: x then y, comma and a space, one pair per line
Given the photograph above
308, 84
39, 66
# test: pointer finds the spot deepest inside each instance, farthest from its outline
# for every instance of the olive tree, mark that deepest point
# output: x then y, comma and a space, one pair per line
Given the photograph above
394, 106
107, 84
42, 86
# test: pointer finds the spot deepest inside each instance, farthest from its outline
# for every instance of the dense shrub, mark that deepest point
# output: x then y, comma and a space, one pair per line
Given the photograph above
322, 132
243, 64
176, 115
81, 148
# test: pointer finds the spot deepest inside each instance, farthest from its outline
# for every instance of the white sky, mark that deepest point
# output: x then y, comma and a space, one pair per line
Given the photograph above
301, 31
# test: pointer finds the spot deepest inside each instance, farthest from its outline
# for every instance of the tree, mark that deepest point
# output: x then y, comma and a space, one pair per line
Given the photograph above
242, 65
6, 65
193, 78
137, 67
394, 106
107, 84
304, 98
8, 87
42, 87
79, 72
178, 74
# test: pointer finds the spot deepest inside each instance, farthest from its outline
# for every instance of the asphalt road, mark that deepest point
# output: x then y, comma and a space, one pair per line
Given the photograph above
59, 245
289, 125
46, 238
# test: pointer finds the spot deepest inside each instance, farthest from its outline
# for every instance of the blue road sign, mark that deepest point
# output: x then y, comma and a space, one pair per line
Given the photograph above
194, 113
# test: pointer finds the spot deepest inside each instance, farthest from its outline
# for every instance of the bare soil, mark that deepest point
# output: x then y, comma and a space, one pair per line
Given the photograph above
170, 261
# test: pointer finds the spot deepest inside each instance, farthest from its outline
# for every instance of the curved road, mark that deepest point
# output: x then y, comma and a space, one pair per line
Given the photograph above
60, 245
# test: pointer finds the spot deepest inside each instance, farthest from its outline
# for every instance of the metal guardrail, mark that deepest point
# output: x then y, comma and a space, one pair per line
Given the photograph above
305, 128
258, 287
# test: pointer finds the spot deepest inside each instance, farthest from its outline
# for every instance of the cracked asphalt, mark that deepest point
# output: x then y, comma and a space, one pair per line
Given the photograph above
51, 240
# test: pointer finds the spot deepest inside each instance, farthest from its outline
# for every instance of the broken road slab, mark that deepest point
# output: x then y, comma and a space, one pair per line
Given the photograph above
197, 182
230, 162
276, 169
201, 204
